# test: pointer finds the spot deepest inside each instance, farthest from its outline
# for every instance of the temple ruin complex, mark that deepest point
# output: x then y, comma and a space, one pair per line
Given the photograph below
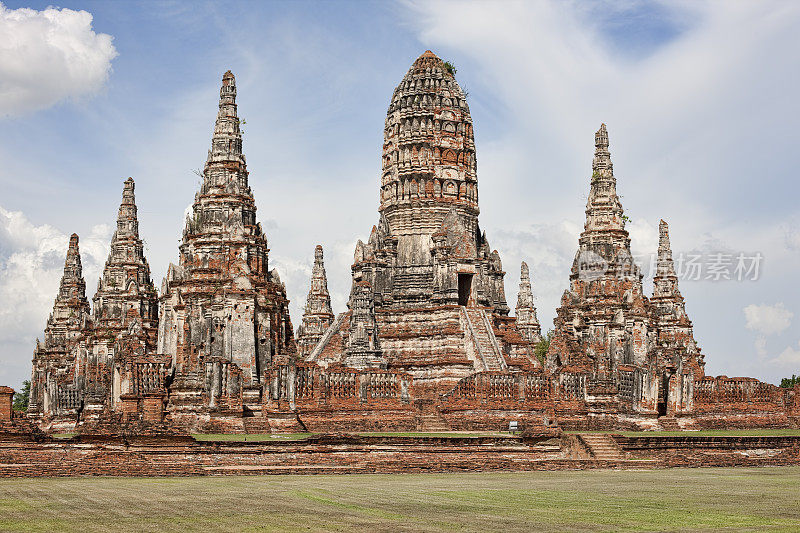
427, 341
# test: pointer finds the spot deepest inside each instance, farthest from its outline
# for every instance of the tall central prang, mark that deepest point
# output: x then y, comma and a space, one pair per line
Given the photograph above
429, 165
427, 295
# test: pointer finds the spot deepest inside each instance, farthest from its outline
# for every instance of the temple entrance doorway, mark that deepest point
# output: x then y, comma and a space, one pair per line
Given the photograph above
464, 288
663, 390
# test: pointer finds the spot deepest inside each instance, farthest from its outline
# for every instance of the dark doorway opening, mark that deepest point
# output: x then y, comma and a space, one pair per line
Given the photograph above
663, 392
464, 288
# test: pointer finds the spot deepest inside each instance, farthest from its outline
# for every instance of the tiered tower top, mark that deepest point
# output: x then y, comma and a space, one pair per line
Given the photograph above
604, 243
429, 162
126, 292
71, 307
224, 207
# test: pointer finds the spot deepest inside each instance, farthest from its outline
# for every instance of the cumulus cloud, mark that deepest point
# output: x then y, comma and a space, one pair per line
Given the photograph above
767, 319
31, 264
49, 56
788, 357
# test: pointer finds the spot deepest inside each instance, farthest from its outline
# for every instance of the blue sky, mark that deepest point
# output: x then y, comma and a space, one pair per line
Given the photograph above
699, 99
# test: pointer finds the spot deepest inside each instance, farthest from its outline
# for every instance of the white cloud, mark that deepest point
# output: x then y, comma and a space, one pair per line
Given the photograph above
49, 56
767, 319
789, 357
31, 265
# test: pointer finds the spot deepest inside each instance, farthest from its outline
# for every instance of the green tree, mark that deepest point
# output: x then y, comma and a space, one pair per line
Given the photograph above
22, 397
788, 383
541, 349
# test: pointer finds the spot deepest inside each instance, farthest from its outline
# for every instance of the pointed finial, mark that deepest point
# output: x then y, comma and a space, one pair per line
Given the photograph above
665, 265
663, 235
127, 221
601, 137
318, 253
128, 191
524, 273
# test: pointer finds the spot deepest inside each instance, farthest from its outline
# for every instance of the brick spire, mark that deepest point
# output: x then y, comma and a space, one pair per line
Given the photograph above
676, 344
605, 246
64, 329
601, 322
527, 321
226, 144
603, 209
222, 292
318, 314
125, 291
72, 290
70, 309
666, 266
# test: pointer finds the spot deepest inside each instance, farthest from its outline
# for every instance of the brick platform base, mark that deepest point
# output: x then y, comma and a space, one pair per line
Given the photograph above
23, 455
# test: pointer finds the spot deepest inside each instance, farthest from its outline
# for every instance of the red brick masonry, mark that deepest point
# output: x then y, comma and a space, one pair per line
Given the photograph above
6, 395
26, 455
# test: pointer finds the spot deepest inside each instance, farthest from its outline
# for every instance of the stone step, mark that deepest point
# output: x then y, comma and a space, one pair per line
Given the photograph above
669, 423
602, 447
483, 337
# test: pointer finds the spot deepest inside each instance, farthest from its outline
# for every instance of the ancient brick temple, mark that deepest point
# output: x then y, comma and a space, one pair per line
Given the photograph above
427, 296
224, 313
87, 360
426, 343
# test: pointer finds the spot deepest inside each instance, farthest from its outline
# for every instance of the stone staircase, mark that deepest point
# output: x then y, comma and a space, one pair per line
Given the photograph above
433, 422
669, 423
428, 417
486, 342
602, 447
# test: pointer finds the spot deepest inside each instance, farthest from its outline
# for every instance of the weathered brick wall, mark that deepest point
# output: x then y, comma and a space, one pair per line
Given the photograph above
23, 455
6, 397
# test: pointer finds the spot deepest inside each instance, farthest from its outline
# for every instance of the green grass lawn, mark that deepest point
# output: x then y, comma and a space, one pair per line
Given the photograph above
745, 499
434, 434
251, 437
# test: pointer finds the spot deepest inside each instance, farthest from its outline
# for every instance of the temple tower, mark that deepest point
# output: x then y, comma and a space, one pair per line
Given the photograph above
429, 162
124, 314
427, 296
527, 321
53, 378
602, 321
224, 314
318, 314
675, 337
125, 292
